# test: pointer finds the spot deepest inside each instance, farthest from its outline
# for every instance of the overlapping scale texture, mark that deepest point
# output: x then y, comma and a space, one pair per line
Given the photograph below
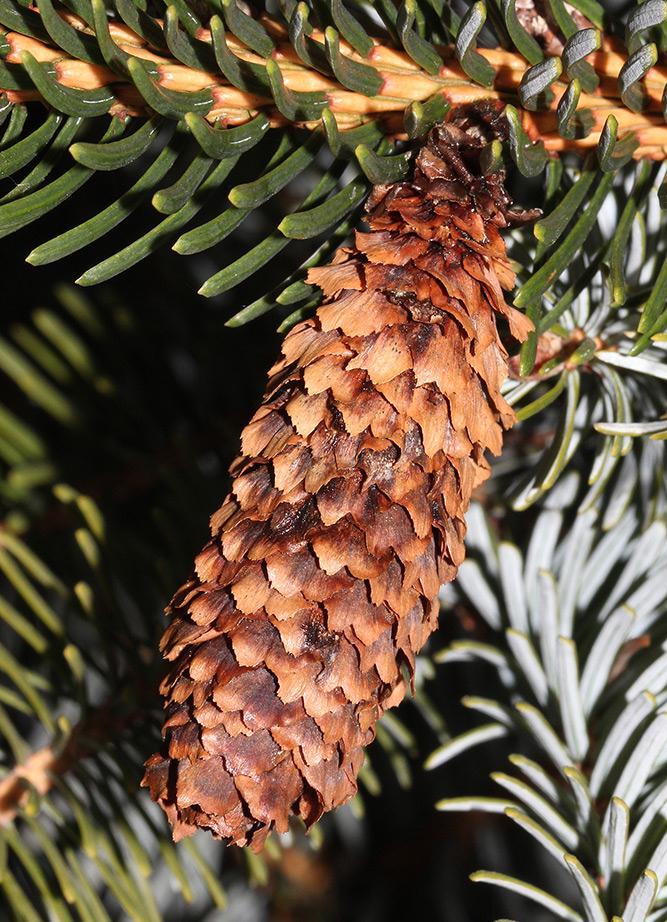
319, 585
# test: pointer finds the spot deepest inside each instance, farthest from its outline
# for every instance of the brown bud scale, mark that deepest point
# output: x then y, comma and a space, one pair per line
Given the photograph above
320, 582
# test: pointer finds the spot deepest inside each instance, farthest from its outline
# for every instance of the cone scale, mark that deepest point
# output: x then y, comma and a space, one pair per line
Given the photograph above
320, 582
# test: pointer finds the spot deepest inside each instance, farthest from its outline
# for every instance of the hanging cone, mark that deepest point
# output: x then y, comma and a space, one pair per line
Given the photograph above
320, 582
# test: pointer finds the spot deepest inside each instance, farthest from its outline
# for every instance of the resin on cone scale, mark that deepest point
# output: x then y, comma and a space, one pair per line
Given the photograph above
320, 582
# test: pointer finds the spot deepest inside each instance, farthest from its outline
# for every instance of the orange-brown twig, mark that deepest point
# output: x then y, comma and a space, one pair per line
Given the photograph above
37, 773
403, 82
40, 769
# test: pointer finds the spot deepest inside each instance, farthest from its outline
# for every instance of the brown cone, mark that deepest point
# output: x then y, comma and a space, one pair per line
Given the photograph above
320, 582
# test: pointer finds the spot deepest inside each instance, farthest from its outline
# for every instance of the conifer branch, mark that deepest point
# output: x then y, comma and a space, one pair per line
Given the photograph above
402, 83
217, 107
38, 773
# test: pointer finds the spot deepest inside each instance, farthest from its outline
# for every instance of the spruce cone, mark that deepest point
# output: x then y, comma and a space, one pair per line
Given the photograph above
321, 579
